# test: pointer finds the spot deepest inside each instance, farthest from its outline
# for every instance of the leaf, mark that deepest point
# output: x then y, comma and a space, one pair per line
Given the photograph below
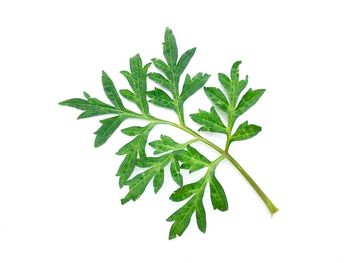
217, 194
201, 216
129, 95
165, 144
170, 93
175, 172
170, 48
241, 85
218, 98
187, 191
160, 98
245, 131
133, 130
210, 121
137, 78
111, 92
248, 100
163, 67
184, 60
138, 184
192, 85
127, 167
159, 79
226, 83
138, 143
182, 216
191, 159
158, 180
109, 126
91, 107
146, 162
235, 71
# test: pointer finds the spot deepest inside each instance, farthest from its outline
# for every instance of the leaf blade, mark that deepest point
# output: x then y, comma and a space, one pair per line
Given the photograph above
249, 99
210, 121
217, 194
245, 131
110, 91
170, 48
109, 126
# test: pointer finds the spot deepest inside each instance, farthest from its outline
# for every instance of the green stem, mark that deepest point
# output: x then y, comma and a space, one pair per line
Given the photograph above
272, 208
229, 131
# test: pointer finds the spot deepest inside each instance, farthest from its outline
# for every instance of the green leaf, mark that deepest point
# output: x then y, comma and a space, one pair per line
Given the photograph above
170, 47
217, 194
137, 78
192, 85
162, 81
175, 172
163, 67
184, 60
187, 191
165, 144
129, 95
158, 180
226, 83
235, 71
111, 92
218, 98
109, 126
172, 94
90, 107
133, 130
127, 167
201, 216
138, 143
182, 216
160, 98
191, 159
248, 100
210, 121
245, 131
146, 162
138, 184
241, 85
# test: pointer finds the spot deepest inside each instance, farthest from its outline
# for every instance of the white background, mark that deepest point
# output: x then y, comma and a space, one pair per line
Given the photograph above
59, 198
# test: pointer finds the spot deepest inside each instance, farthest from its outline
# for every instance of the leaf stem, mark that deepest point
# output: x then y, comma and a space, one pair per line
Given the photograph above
271, 207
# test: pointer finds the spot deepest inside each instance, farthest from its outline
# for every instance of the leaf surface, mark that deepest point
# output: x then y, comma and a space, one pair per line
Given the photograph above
210, 121
245, 131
